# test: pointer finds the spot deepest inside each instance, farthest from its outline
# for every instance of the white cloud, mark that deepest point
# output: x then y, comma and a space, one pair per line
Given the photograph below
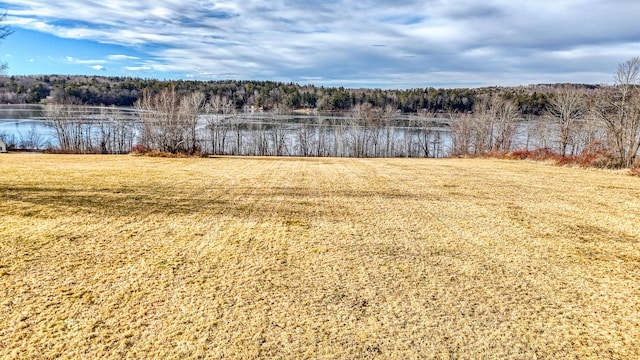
79, 61
121, 57
497, 42
98, 67
137, 68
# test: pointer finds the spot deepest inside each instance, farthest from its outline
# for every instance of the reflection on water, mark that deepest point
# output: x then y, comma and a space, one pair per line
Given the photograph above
21, 111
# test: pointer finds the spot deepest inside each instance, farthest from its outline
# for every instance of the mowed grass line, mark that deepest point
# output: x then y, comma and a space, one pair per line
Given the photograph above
135, 257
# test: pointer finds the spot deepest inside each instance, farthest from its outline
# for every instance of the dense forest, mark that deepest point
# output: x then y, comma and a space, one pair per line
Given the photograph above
265, 95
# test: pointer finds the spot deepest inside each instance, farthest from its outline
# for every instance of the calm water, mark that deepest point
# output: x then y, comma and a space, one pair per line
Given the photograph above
24, 126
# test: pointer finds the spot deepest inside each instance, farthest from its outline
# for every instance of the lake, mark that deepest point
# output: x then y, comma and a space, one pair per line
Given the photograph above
23, 126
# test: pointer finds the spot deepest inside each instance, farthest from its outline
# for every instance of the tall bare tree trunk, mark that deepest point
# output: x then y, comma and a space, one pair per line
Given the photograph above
619, 111
567, 107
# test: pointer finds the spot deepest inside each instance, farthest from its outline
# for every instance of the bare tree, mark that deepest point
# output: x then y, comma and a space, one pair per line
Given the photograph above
71, 126
32, 140
567, 107
56, 118
237, 125
190, 108
259, 139
423, 123
388, 122
536, 132
306, 137
505, 114
374, 129
321, 148
483, 125
162, 126
5, 31
492, 127
353, 135
365, 130
619, 111
115, 131
219, 110
591, 134
464, 135
277, 133
340, 138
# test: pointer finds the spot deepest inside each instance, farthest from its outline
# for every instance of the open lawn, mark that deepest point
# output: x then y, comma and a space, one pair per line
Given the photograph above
136, 257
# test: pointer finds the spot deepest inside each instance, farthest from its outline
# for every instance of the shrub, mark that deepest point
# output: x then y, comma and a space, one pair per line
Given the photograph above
543, 154
140, 149
596, 155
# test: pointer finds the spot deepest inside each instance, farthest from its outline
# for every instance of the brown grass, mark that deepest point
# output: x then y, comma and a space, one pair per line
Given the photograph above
137, 257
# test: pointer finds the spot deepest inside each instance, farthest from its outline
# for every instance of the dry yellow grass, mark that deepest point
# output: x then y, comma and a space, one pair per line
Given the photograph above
133, 257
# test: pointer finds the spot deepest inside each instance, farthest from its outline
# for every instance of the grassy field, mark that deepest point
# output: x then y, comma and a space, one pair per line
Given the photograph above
135, 257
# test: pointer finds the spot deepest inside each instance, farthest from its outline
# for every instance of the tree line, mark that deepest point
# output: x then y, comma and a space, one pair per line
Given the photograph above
600, 125
264, 95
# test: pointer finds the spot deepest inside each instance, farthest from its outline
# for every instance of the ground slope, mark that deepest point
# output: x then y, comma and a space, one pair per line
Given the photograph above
134, 257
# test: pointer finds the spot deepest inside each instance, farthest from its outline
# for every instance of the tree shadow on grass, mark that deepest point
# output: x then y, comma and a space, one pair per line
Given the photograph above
61, 201
242, 201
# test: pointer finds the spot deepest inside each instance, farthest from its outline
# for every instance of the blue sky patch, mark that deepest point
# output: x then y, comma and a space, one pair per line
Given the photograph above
347, 43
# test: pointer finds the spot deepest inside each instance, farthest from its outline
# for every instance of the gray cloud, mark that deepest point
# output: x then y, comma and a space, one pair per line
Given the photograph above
339, 42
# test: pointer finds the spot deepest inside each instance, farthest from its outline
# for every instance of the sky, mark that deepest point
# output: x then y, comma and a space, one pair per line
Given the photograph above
365, 43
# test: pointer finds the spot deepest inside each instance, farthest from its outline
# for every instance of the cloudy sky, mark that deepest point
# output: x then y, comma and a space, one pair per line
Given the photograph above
364, 43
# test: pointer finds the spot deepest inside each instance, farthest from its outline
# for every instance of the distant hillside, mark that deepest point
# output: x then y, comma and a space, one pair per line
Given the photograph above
125, 91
